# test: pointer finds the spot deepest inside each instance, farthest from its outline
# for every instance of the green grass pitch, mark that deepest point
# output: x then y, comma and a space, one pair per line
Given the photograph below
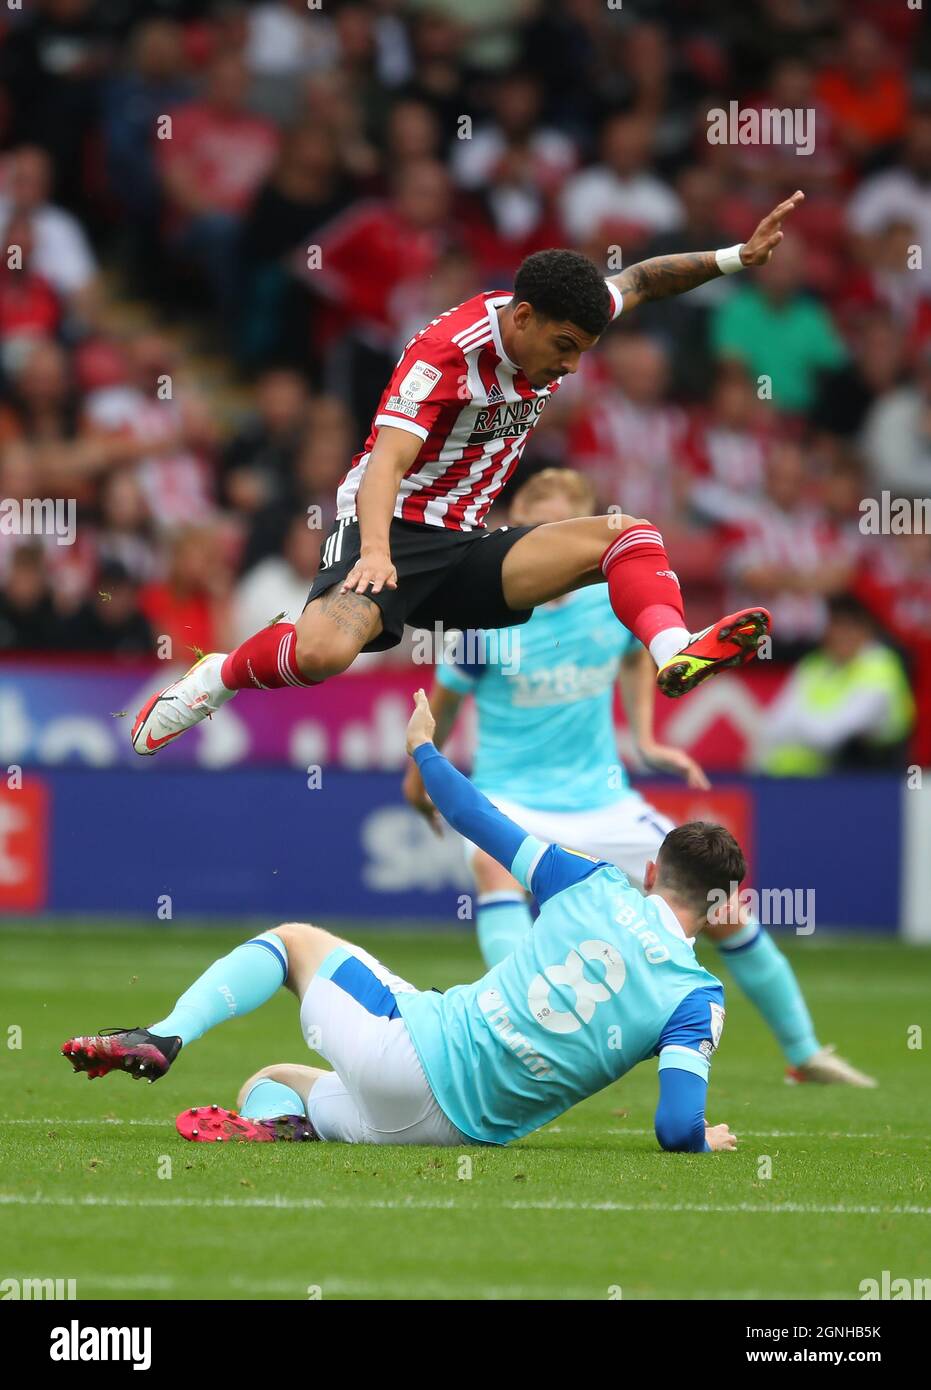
589, 1208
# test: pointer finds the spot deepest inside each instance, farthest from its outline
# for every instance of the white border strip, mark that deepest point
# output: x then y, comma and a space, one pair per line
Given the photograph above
915, 882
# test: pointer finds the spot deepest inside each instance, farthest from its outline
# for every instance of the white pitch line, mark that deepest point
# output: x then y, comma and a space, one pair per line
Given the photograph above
497, 1293
452, 1204
44, 1120
296, 1289
161, 1282
787, 1134
401, 1289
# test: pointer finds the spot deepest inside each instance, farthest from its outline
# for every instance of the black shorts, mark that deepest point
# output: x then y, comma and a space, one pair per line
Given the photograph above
447, 577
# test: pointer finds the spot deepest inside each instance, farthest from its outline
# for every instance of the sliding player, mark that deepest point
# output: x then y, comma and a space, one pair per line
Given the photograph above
409, 544
607, 979
546, 755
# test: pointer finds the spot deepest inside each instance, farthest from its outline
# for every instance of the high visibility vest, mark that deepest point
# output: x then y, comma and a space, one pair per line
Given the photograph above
822, 686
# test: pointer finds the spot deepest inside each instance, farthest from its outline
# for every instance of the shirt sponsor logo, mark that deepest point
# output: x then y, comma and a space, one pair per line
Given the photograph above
420, 381
493, 1007
562, 685
403, 407
508, 420
571, 976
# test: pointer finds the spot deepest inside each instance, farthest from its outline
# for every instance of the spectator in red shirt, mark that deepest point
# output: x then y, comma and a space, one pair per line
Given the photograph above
865, 93
191, 605
375, 247
215, 159
29, 306
368, 257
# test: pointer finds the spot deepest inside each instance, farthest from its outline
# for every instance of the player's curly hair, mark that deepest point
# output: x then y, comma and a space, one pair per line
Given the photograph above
565, 286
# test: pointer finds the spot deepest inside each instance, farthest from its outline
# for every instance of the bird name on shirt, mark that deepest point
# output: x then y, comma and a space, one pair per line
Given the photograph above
653, 948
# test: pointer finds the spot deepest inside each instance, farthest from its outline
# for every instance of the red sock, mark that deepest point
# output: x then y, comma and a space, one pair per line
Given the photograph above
644, 592
264, 662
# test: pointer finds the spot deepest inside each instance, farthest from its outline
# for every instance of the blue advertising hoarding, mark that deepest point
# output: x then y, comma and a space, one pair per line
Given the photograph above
280, 844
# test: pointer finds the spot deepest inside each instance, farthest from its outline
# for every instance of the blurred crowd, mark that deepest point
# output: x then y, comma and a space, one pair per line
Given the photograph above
297, 189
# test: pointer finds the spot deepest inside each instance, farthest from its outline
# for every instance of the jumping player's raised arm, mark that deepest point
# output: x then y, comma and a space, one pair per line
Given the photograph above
444, 703
541, 868
662, 276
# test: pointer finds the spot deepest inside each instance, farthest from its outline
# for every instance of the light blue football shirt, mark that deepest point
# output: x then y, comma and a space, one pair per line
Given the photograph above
606, 979
544, 694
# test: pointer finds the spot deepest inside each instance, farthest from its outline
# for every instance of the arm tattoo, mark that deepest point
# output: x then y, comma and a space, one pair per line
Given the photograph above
351, 613
665, 275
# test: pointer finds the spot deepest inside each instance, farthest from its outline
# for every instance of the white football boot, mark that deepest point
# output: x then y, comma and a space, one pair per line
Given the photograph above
827, 1069
198, 694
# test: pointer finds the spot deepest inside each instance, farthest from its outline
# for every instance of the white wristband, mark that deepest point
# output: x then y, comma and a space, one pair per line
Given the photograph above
617, 299
728, 260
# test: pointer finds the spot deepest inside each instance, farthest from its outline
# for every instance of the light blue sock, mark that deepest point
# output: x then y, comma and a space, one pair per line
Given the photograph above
502, 921
268, 1099
236, 984
768, 981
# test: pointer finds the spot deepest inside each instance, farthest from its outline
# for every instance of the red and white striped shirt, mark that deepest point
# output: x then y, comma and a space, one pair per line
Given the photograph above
456, 389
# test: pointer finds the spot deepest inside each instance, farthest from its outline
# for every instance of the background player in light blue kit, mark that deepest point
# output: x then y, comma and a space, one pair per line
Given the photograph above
607, 978
546, 755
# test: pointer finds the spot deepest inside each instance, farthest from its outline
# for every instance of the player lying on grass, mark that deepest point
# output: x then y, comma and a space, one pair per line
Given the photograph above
546, 755
607, 978
409, 545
